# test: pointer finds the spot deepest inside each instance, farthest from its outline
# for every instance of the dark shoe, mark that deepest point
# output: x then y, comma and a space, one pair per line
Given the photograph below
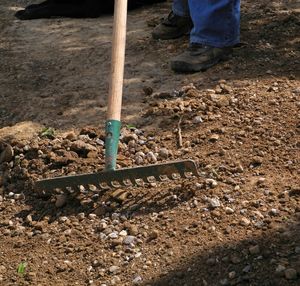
172, 27
199, 58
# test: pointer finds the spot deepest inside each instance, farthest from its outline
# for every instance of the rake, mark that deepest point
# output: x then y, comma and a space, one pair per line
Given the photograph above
111, 176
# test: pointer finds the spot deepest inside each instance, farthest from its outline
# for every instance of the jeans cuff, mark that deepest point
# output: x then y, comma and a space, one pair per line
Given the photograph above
216, 44
181, 13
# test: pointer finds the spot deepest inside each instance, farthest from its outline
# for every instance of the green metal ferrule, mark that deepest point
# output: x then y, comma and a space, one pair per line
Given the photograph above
112, 131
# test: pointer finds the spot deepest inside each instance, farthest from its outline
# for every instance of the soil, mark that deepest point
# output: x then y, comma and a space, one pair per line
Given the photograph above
237, 223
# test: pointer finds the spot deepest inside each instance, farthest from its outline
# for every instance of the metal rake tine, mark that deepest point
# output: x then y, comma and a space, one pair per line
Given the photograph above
92, 187
104, 185
150, 179
127, 183
115, 184
139, 182
164, 178
176, 176
71, 190
188, 175
156, 177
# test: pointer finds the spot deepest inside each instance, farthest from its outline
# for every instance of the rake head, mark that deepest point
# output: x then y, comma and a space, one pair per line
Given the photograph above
123, 177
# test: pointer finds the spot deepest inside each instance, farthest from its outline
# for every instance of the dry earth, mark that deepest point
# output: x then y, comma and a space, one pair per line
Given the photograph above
236, 224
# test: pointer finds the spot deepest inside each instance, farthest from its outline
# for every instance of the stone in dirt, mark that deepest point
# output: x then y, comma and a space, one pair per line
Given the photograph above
102, 210
153, 235
290, 274
132, 229
221, 100
119, 195
295, 192
128, 240
254, 249
214, 203
61, 200
229, 210
81, 147
211, 183
137, 280
244, 221
114, 269
164, 153
197, 120
71, 136
7, 154
214, 138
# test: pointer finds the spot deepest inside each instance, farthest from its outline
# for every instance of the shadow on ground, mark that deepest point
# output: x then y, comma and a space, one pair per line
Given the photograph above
62, 80
266, 259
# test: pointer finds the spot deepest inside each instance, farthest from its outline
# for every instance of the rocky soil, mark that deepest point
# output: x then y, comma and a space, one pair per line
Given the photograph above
238, 223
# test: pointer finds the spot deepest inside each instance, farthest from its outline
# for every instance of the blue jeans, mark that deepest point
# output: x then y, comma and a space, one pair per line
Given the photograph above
216, 22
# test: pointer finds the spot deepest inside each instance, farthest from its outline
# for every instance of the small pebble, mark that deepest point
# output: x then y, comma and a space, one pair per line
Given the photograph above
81, 216
137, 280
63, 219
197, 120
163, 153
139, 254
103, 226
123, 233
92, 216
290, 274
232, 274
214, 202
254, 249
132, 229
211, 182
18, 197
153, 235
28, 219
151, 157
114, 269
244, 221
261, 181
214, 138
61, 200
235, 259
113, 235
280, 268
115, 216
7, 154
224, 282
211, 261
229, 210
129, 240
274, 212
247, 269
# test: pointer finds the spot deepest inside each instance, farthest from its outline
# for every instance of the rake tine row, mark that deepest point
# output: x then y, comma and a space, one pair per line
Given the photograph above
126, 183
121, 178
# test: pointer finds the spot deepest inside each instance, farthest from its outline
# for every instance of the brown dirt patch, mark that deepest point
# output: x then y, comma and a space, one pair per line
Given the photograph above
238, 224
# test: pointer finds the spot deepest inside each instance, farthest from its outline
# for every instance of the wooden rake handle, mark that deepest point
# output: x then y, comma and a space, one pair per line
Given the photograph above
117, 61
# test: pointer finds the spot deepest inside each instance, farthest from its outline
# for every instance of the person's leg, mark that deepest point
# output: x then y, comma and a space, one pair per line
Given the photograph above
176, 24
216, 30
216, 22
181, 8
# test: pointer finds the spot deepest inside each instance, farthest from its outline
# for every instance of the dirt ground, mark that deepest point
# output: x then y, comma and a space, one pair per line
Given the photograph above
236, 224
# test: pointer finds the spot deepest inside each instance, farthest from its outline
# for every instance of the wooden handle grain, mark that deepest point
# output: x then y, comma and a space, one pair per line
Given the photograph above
117, 61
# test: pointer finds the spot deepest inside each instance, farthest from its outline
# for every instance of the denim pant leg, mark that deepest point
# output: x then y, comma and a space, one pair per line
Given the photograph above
181, 8
216, 22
